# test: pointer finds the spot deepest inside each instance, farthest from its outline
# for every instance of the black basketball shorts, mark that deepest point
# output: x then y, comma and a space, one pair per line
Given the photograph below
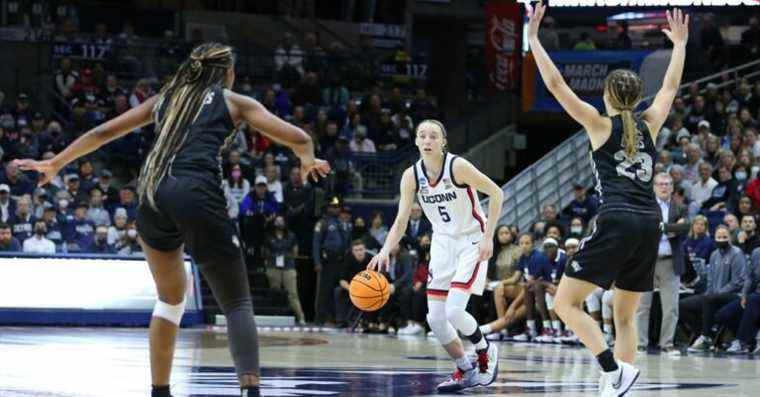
193, 211
622, 250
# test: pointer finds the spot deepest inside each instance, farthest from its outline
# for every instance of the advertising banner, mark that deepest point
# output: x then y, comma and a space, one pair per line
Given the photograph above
502, 46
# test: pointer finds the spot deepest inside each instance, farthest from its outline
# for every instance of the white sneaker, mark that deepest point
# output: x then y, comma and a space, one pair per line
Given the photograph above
602, 382
617, 385
459, 381
488, 365
411, 329
431, 334
702, 344
525, 337
495, 336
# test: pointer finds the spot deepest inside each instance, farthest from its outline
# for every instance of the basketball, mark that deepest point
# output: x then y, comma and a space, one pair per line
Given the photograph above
369, 291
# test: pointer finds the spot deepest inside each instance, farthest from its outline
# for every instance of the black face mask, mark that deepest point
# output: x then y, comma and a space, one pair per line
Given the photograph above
722, 245
360, 229
40, 231
424, 248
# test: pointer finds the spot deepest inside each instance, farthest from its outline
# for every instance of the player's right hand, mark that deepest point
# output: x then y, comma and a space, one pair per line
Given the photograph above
47, 169
534, 15
379, 262
314, 169
679, 26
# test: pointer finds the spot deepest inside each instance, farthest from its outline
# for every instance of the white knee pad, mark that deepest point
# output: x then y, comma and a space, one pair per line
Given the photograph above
171, 313
436, 319
549, 302
607, 304
594, 301
456, 313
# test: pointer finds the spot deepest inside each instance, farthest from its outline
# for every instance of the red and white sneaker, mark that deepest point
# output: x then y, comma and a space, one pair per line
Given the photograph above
547, 336
459, 381
488, 365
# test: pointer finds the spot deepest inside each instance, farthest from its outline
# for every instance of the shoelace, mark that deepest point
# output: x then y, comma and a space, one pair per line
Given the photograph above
483, 361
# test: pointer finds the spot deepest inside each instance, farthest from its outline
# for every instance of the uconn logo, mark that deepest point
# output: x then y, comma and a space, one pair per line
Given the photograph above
439, 198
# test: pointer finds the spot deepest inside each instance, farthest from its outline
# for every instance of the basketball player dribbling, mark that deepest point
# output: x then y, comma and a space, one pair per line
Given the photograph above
446, 187
182, 204
623, 247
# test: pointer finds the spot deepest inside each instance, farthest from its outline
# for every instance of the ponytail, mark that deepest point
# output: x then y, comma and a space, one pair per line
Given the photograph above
630, 134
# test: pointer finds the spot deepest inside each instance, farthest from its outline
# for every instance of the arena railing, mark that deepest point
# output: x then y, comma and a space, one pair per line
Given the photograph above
550, 179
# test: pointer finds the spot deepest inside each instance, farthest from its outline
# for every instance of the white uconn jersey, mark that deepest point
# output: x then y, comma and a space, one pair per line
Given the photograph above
452, 209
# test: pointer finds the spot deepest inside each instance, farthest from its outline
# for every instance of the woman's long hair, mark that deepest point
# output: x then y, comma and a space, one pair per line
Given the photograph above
624, 89
699, 218
182, 98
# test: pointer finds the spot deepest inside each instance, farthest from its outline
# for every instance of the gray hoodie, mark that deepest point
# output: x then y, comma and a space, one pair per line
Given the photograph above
726, 271
752, 274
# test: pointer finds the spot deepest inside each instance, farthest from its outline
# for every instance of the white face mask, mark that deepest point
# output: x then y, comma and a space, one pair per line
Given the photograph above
576, 229
63, 204
132, 233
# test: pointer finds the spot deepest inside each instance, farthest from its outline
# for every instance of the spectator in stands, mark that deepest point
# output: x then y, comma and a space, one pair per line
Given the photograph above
65, 78
100, 242
79, 233
677, 175
503, 269
308, 93
73, 189
345, 219
725, 279
87, 179
23, 110
665, 158
361, 143
404, 124
742, 315
141, 92
281, 270
722, 193
745, 207
128, 200
17, 181
236, 185
698, 246
40, 202
274, 185
586, 43
536, 268
693, 159
583, 206
422, 107
327, 142
399, 274
257, 211
418, 226
342, 164
623, 39
701, 189
669, 267
576, 228
359, 231
748, 239
53, 139
335, 96
111, 91
548, 36
129, 243
7, 206
732, 222
378, 229
55, 227
413, 299
554, 231
329, 245
110, 194
119, 227
38, 243
22, 220
8, 243
557, 260
355, 263
697, 113
288, 61
387, 136
96, 212
298, 206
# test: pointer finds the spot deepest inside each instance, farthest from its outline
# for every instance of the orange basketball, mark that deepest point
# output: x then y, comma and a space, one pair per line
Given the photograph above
369, 290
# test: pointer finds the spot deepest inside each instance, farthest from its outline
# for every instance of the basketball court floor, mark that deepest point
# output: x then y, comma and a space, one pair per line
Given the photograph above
114, 362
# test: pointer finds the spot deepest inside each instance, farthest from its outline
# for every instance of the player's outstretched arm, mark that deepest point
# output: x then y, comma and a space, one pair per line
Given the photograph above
258, 117
468, 174
408, 189
678, 33
93, 139
580, 111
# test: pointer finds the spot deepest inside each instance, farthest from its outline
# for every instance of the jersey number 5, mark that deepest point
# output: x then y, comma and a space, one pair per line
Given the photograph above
444, 215
640, 167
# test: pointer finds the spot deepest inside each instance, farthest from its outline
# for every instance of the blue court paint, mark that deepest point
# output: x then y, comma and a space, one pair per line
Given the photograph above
400, 382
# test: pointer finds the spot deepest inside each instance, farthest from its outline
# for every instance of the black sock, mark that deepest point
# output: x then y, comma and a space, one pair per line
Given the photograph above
475, 338
607, 361
160, 391
250, 391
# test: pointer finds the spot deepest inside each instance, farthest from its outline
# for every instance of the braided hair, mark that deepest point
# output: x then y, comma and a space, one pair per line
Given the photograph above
623, 88
182, 98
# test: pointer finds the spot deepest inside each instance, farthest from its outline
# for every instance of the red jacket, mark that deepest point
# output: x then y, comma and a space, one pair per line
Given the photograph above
752, 190
420, 274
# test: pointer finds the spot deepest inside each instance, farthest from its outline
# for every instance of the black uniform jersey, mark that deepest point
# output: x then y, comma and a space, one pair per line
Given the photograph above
623, 184
200, 153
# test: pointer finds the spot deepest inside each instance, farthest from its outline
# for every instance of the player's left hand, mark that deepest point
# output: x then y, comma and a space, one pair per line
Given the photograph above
485, 249
47, 169
535, 16
314, 170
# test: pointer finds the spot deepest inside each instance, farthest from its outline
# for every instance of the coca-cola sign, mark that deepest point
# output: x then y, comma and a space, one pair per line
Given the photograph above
502, 45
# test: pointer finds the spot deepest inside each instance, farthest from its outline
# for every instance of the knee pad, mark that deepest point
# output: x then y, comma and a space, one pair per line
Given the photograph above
594, 301
171, 313
607, 304
436, 319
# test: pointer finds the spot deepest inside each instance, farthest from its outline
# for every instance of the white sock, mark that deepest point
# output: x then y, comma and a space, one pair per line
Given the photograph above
485, 329
607, 328
463, 363
546, 325
532, 325
556, 324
